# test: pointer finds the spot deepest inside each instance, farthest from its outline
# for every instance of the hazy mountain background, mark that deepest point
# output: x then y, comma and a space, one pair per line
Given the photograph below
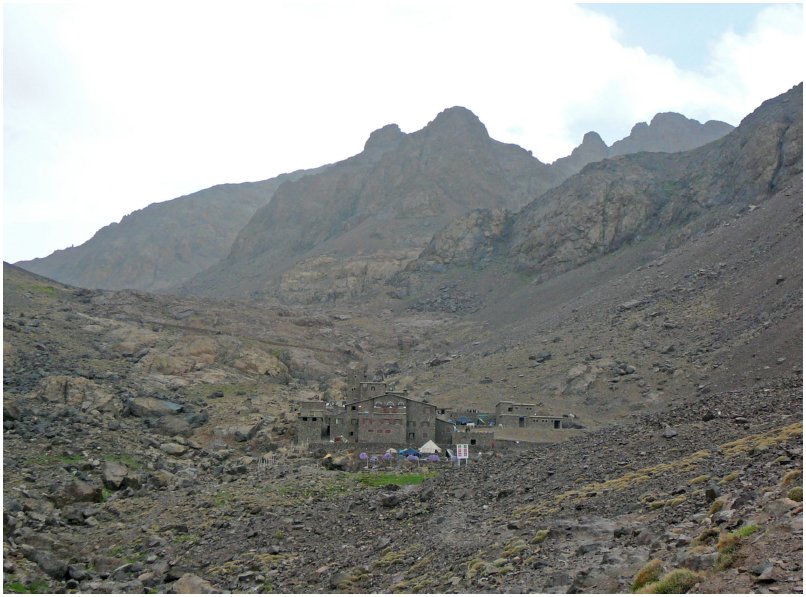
353, 227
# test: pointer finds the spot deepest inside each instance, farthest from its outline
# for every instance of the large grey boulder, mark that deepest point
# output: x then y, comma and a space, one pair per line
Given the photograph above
146, 407
191, 584
114, 474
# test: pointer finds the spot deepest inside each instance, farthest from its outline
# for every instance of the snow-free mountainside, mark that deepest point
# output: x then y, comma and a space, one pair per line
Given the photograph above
649, 294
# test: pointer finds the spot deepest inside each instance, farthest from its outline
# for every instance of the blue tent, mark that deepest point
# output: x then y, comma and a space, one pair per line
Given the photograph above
409, 452
463, 420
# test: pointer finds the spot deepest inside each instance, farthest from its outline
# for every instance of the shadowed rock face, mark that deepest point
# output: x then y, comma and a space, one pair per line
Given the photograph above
622, 200
344, 232
381, 206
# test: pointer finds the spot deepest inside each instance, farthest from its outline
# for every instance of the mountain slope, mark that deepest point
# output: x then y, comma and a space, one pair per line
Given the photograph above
160, 245
343, 233
383, 208
622, 200
445, 170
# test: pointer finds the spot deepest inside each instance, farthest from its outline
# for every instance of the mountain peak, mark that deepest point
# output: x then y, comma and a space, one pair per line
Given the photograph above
385, 138
457, 120
593, 139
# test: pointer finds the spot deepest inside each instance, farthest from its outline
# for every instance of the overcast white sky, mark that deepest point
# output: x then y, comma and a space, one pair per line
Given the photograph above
111, 106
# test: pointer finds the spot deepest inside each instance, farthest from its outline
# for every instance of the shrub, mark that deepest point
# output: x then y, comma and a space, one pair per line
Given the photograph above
796, 494
792, 476
648, 574
540, 536
715, 507
700, 479
676, 582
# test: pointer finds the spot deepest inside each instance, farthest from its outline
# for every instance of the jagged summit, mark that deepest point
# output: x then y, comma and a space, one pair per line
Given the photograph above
593, 139
456, 122
385, 138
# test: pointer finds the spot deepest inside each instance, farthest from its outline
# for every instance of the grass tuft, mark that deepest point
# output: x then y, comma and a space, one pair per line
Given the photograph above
676, 582
648, 574
379, 480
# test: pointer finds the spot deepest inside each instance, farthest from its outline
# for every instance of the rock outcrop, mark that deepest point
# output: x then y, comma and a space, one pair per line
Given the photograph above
371, 209
667, 132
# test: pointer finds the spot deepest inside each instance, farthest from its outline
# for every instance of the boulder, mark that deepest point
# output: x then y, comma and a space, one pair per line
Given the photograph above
146, 407
239, 433
173, 449
114, 474
49, 563
189, 583
78, 392
77, 491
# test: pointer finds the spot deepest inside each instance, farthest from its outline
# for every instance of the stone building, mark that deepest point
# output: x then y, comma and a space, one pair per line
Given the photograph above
524, 416
371, 414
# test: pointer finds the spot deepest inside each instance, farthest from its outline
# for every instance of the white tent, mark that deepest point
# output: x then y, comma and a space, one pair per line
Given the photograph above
430, 447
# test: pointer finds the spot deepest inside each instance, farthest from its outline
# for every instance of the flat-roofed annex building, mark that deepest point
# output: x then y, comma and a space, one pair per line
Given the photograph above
524, 416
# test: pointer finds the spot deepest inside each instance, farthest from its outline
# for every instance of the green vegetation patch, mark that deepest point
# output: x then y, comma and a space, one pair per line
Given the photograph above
35, 587
129, 461
795, 494
746, 530
381, 479
51, 459
540, 536
676, 582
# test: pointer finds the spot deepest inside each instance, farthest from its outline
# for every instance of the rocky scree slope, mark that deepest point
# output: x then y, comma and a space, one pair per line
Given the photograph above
635, 330
164, 244
112, 509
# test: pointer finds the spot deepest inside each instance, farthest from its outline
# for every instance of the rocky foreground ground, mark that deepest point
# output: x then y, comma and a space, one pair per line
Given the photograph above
712, 486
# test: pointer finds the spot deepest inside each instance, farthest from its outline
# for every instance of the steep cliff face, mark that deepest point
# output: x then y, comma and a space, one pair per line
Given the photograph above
163, 244
618, 201
381, 207
623, 200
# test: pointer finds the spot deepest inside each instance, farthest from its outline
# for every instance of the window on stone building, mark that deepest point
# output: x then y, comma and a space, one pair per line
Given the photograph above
304, 418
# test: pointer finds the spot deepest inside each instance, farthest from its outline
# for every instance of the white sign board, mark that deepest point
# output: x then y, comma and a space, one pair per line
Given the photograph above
462, 451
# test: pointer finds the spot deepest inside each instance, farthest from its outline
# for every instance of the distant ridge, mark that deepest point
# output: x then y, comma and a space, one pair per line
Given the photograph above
375, 212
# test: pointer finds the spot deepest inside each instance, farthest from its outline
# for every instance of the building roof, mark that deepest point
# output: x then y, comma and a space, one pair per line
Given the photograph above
393, 394
515, 403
